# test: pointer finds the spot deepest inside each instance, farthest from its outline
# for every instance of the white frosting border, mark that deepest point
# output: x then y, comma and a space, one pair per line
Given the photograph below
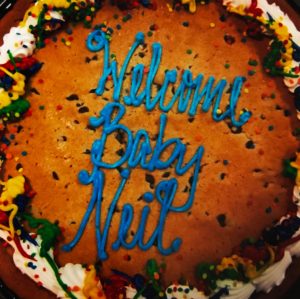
74, 274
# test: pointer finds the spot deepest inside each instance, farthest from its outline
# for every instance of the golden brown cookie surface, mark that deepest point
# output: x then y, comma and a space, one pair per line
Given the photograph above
248, 189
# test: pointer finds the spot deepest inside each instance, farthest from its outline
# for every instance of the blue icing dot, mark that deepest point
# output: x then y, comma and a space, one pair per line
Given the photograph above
140, 37
148, 197
83, 177
176, 244
125, 173
31, 265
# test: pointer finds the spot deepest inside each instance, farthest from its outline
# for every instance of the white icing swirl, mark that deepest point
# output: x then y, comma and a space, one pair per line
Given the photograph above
41, 272
55, 15
183, 292
269, 9
131, 292
294, 249
236, 289
74, 275
296, 196
19, 41
274, 275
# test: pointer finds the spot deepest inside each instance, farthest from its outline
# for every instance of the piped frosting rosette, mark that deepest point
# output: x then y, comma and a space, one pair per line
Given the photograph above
259, 265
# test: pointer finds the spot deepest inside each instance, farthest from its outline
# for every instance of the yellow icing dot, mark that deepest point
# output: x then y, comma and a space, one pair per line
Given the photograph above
170, 9
246, 90
191, 3
12, 188
92, 286
17, 89
36, 9
212, 25
296, 164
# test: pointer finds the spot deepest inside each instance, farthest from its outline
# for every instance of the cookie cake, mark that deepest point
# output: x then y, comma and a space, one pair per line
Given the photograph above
149, 149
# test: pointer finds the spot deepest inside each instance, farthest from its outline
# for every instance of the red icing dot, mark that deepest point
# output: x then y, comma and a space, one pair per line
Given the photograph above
100, 294
127, 257
76, 289
33, 236
36, 276
29, 112
40, 81
59, 107
3, 146
3, 218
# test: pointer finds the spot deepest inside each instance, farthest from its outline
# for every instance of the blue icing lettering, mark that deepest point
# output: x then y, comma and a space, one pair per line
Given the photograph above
138, 152
189, 94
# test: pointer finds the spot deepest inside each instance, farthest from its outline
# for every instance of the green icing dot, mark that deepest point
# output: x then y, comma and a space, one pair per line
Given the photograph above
19, 106
288, 170
252, 62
